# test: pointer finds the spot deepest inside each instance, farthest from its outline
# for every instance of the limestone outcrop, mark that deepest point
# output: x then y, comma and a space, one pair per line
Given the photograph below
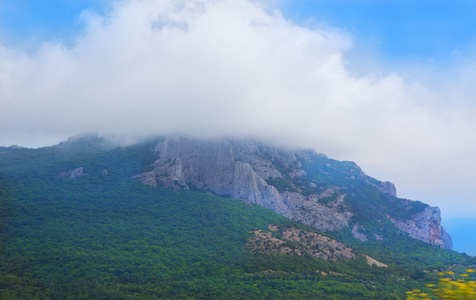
426, 226
244, 170
298, 184
73, 174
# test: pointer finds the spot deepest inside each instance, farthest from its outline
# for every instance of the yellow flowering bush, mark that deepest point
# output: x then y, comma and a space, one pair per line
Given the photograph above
449, 287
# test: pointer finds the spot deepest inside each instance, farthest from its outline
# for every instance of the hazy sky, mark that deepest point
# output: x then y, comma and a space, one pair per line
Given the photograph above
387, 84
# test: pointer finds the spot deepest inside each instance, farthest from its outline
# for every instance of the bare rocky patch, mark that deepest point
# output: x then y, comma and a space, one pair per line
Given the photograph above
373, 262
298, 242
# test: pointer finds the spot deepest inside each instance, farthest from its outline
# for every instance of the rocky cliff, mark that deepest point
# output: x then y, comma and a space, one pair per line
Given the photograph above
298, 184
426, 226
246, 170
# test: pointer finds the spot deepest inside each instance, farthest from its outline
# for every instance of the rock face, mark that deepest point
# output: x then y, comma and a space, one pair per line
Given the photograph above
298, 184
73, 174
242, 170
389, 188
77, 173
426, 226
359, 235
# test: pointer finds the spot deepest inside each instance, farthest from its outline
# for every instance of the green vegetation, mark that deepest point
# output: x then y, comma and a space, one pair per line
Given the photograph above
106, 236
407, 256
365, 200
450, 286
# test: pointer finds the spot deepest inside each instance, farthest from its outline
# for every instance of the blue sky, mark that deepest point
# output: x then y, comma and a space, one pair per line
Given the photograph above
462, 232
421, 31
388, 84
27, 23
400, 30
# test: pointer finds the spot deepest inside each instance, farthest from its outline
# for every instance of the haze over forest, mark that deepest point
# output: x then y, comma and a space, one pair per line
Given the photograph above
398, 99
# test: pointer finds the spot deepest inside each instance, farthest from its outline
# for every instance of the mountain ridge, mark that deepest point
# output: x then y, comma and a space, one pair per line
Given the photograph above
299, 184
106, 235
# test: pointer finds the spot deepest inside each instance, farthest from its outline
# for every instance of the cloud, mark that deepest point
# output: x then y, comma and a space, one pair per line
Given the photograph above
207, 67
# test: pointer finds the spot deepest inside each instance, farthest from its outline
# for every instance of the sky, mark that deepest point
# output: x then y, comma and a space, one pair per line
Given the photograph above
387, 84
462, 233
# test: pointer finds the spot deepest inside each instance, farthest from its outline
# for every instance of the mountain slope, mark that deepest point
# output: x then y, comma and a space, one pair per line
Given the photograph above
298, 184
104, 235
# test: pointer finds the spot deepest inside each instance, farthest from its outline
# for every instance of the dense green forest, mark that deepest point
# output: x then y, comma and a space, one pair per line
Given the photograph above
105, 235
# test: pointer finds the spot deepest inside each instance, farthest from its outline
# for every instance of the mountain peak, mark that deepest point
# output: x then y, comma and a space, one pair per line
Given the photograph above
86, 142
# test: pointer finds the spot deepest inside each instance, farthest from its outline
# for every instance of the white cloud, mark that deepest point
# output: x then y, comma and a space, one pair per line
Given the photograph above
208, 67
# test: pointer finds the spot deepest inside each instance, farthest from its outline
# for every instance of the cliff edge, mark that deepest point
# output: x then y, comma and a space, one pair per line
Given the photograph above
298, 184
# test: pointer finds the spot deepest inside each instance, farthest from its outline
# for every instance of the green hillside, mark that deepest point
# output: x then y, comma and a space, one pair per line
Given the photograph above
105, 235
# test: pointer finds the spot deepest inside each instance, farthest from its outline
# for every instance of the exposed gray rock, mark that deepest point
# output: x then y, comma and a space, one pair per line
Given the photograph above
359, 235
276, 179
73, 174
77, 173
426, 226
309, 211
239, 169
389, 188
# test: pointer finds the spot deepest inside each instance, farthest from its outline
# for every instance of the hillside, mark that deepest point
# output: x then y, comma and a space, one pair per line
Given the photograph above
299, 184
102, 234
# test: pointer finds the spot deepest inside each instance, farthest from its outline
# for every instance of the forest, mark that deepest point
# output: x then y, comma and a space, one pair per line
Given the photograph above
104, 235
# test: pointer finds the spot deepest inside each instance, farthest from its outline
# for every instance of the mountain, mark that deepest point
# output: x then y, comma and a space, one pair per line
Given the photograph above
299, 184
78, 222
